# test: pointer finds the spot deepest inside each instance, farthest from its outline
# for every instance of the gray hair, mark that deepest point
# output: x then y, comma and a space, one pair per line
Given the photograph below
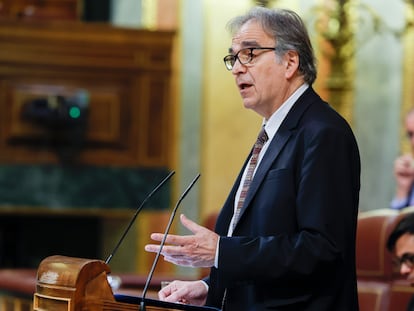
289, 32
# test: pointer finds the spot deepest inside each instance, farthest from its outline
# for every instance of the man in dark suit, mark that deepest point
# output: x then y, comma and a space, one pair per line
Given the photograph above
291, 244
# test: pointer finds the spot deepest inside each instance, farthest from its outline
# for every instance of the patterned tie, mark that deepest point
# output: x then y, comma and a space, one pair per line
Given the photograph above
261, 140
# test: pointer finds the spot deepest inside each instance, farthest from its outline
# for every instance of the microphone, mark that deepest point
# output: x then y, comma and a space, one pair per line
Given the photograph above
136, 214
151, 273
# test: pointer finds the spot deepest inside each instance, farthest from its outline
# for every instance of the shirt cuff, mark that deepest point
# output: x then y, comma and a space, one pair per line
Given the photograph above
397, 203
205, 284
217, 254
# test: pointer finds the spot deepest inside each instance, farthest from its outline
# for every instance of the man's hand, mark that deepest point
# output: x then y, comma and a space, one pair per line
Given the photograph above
197, 250
404, 175
188, 292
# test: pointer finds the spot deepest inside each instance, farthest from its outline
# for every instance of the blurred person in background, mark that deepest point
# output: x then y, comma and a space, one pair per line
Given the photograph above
404, 170
401, 244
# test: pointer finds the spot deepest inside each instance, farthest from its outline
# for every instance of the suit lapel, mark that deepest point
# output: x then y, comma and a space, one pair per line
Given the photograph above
276, 145
281, 137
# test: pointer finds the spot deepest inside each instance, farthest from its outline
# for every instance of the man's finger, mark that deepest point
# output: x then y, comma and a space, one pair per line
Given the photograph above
171, 238
189, 224
152, 248
167, 250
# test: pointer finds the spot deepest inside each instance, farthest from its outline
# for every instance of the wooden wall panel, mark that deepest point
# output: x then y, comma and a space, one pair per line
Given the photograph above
126, 73
49, 9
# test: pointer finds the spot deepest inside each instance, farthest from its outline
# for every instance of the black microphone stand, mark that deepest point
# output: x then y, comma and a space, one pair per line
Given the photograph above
151, 273
136, 214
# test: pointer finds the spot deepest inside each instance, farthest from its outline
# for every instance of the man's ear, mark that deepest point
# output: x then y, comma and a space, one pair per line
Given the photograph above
291, 61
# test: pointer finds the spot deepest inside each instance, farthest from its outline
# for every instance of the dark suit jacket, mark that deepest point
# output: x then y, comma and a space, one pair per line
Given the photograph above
410, 306
294, 245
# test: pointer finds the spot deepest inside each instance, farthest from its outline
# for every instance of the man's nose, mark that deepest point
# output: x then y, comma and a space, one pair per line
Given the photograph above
405, 270
238, 67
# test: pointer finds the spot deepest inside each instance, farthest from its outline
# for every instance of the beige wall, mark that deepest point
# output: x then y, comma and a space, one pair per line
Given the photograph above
227, 128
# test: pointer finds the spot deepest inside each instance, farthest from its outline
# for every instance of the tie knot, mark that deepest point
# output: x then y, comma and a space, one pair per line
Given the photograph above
262, 137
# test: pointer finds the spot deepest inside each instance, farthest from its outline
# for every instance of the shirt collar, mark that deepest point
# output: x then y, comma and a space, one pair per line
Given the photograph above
273, 123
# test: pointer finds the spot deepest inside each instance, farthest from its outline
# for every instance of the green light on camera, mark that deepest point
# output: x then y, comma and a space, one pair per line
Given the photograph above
74, 112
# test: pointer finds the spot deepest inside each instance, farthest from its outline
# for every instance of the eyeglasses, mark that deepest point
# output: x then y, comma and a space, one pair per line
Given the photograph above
406, 259
245, 56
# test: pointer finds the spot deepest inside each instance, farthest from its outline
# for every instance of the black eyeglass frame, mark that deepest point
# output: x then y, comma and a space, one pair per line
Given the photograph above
406, 259
230, 60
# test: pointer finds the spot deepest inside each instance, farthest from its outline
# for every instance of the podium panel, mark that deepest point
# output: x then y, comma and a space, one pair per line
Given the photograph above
77, 284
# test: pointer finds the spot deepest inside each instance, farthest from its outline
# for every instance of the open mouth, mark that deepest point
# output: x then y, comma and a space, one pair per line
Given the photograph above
243, 86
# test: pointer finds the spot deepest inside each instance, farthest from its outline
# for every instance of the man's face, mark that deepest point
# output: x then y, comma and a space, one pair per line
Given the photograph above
264, 82
404, 250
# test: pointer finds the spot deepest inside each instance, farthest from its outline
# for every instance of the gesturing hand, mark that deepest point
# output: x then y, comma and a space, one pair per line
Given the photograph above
188, 292
197, 250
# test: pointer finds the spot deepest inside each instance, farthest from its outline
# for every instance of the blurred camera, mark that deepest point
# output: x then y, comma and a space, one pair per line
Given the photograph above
57, 111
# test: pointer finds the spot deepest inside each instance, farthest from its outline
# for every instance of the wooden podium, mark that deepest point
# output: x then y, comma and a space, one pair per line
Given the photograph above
77, 284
